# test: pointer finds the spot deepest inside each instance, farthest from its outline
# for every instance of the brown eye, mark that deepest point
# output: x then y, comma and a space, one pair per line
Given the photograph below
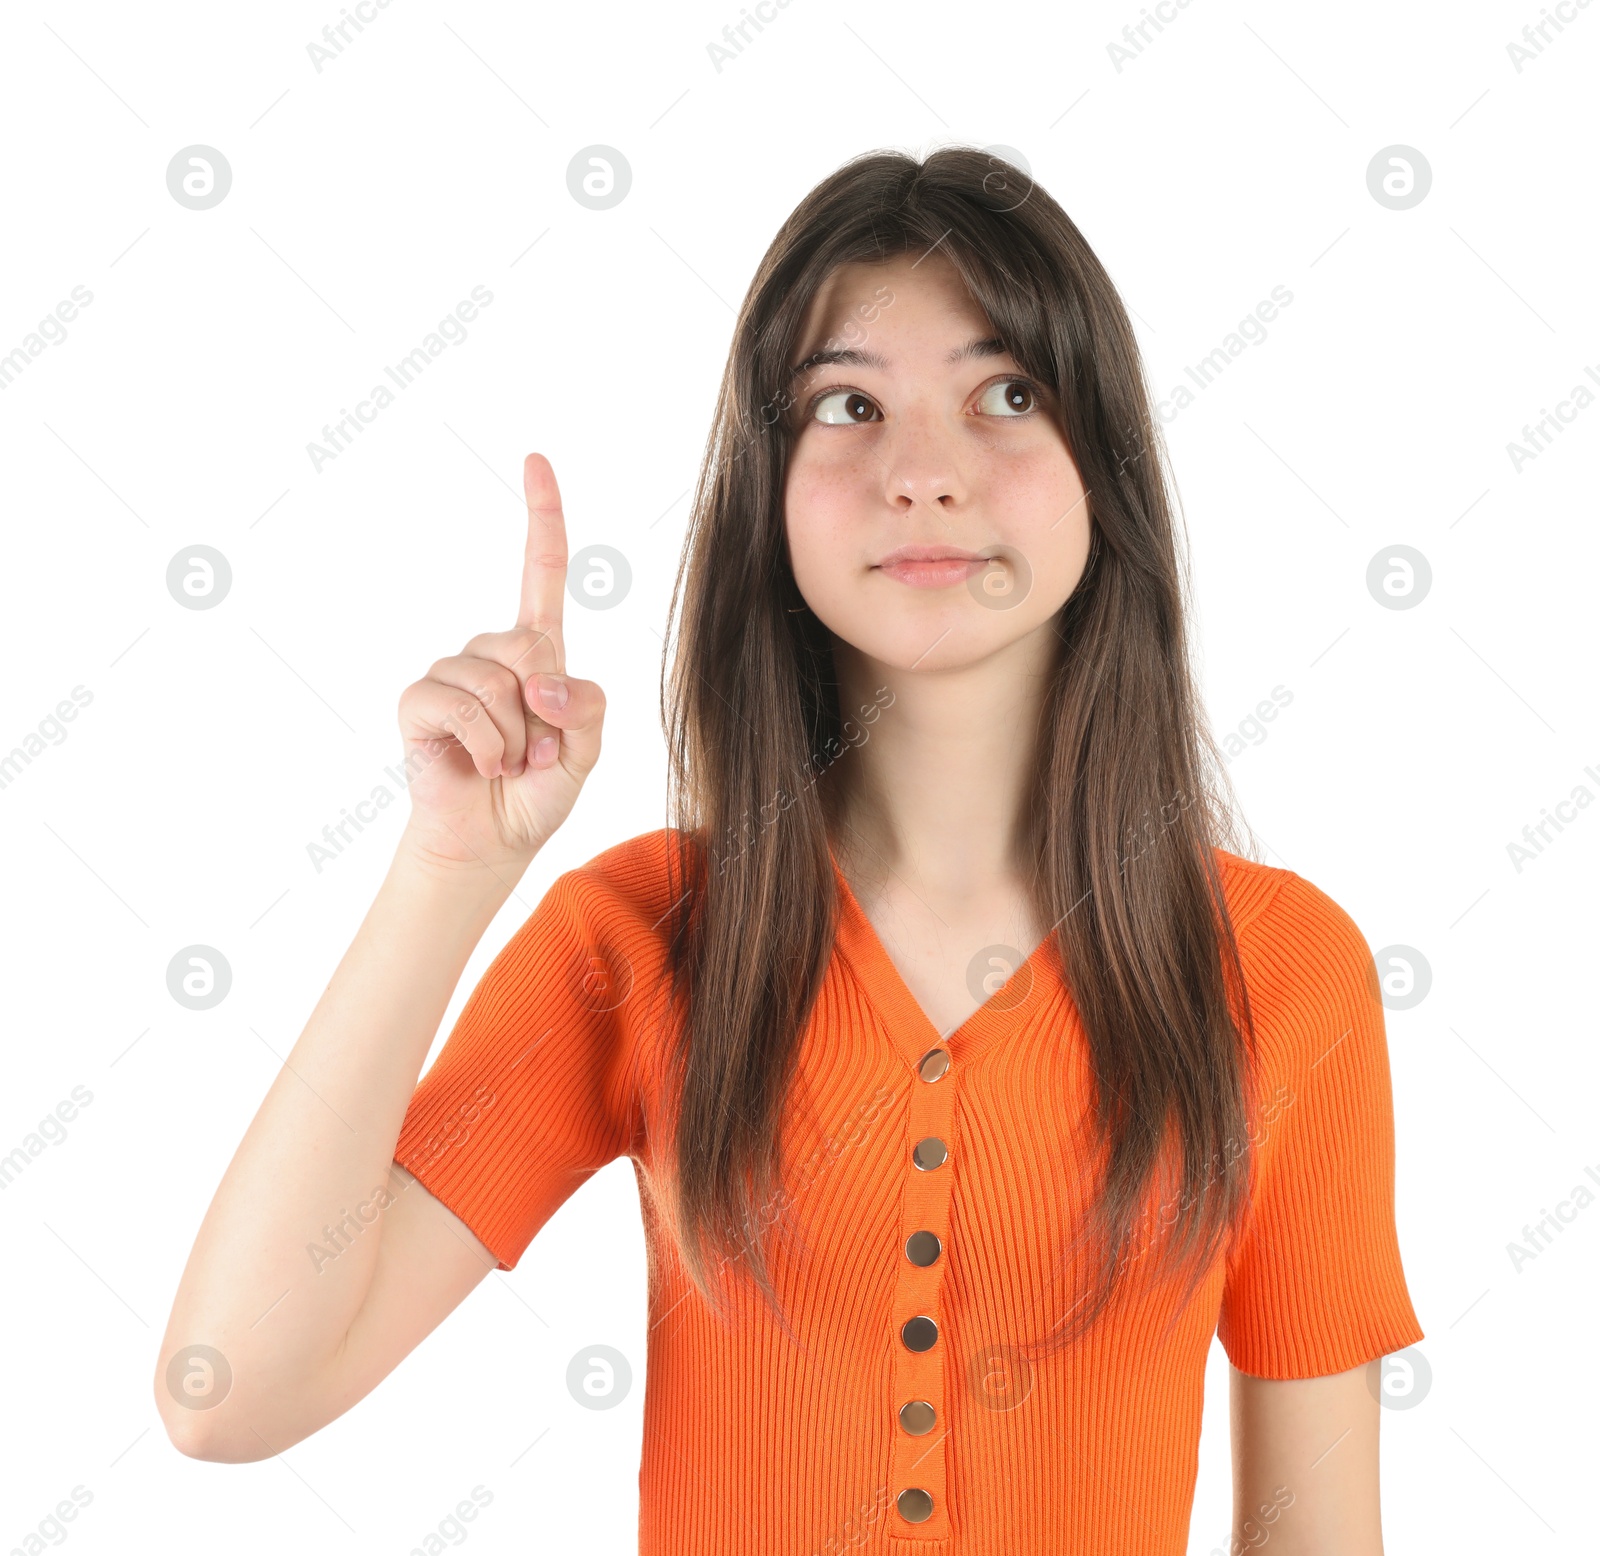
1008, 397
845, 407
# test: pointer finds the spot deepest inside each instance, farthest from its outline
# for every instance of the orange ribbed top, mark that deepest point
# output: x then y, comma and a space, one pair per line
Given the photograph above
753, 1444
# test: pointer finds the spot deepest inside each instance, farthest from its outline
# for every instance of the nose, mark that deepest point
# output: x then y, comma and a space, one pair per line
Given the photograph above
921, 470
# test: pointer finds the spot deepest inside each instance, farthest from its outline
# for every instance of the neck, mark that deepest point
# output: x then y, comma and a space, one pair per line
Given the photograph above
935, 789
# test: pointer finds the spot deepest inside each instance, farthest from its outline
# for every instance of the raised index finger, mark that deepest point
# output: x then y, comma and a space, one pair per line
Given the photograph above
544, 562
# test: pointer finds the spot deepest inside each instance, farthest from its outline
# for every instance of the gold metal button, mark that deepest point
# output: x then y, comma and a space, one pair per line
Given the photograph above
933, 1064
922, 1248
917, 1417
919, 1333
929, 1153
915, 1504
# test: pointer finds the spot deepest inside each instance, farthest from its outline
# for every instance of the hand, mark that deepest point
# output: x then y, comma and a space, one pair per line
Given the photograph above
494, 766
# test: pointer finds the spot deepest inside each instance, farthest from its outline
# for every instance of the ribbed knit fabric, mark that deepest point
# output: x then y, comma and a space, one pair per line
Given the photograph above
756, 1445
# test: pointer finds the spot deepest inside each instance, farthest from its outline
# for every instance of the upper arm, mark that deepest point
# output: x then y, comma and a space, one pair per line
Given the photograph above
1315, 1293
532, 1093
1315, 1284
1305, 1463
535, 1089
428, 1260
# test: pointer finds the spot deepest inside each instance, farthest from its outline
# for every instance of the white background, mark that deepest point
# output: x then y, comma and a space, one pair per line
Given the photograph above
1230, 156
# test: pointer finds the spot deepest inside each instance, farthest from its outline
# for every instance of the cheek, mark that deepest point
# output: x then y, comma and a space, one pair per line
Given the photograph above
1039, 475
819, 498
1046, 514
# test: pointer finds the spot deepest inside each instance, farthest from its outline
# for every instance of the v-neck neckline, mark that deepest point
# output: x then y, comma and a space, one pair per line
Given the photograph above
910, 1026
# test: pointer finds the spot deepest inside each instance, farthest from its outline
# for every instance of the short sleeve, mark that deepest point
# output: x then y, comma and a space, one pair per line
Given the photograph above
1314, 1281
531, 1093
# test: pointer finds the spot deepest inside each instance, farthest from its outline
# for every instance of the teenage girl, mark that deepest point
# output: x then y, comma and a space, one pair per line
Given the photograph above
973, 1086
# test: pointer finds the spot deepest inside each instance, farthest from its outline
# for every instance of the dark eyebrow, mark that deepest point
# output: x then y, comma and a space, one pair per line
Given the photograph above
847, 356
992, 346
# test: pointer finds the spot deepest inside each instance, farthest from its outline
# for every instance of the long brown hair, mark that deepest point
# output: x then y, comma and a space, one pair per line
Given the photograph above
1128, 799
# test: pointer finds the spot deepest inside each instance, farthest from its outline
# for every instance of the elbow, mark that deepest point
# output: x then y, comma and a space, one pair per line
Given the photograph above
190, 1442
188, 1432
213, 1434
236, 1411
191, 1428
196, 1437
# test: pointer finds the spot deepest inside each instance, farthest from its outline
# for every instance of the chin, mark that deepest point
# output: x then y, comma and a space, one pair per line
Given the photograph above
927, 639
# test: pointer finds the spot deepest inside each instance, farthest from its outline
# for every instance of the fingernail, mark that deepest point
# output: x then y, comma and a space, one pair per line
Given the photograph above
545, 750
552, 691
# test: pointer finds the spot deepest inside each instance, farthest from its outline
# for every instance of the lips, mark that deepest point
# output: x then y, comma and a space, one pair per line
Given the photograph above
931, 567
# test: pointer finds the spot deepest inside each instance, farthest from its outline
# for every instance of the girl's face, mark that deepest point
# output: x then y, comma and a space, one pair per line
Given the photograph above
933, 513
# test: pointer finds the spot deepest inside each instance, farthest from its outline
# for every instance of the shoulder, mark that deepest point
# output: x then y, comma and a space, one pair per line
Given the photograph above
1281, 910
603, 928
1308, 967
1248, 886
632, 882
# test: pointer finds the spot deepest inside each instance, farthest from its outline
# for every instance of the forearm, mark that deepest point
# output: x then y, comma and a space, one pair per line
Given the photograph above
266, 1285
